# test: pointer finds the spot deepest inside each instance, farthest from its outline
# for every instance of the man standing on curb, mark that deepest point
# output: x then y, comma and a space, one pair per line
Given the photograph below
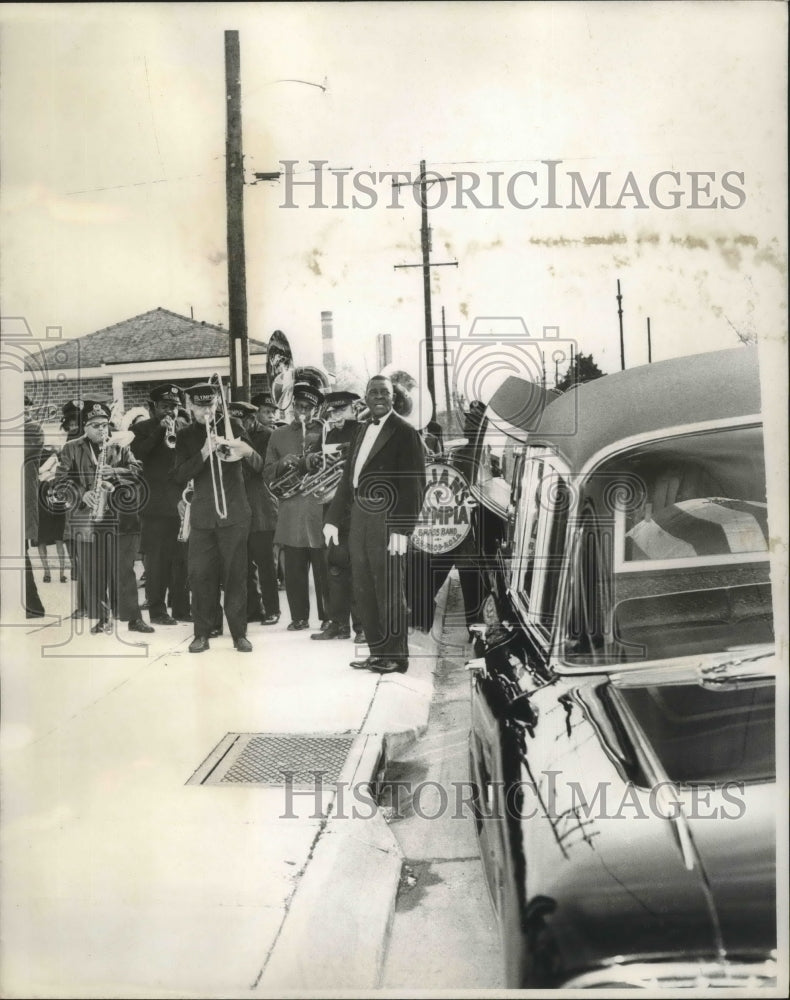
381, 495
217, 544
154, 446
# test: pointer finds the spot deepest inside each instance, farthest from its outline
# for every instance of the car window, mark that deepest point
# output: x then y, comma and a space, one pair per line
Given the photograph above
673, 555
539, 549
496, 467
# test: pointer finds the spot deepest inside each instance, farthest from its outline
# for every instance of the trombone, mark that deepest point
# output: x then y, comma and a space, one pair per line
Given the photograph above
219, 447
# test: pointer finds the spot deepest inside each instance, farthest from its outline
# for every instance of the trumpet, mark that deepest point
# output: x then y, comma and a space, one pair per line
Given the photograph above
186, 514
101, 488
170, 431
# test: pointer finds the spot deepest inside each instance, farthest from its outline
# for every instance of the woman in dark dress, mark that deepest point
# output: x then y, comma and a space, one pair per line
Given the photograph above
51, 520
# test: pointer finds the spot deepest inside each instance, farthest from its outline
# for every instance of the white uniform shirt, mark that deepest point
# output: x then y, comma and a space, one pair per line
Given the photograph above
371, 433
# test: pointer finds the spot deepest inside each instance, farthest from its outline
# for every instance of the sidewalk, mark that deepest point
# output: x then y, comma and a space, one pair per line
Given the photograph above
120, 879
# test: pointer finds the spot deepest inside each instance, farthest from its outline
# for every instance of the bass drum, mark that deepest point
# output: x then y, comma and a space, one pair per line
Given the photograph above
445, 518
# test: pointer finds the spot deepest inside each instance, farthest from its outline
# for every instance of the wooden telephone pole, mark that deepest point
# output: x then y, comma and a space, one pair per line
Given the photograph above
425, 241
234, 192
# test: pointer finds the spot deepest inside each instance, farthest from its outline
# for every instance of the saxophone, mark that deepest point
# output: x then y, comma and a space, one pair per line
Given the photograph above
101, 488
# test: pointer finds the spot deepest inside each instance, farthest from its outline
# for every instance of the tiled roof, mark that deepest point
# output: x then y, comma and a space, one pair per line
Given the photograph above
158, 335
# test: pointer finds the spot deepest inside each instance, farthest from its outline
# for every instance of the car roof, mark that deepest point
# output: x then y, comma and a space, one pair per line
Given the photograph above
720, 385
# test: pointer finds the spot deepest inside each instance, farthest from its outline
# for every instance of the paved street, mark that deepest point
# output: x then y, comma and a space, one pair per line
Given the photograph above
444, 935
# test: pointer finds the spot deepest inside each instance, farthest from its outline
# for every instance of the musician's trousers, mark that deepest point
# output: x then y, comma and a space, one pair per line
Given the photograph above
107, 579
377, 580
260, 549
218, 554
297, 564
159, 541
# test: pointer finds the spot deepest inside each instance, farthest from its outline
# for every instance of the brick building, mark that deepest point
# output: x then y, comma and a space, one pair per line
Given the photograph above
123, 362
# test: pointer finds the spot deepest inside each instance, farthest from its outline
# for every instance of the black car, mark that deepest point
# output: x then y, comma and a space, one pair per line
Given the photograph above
623, 744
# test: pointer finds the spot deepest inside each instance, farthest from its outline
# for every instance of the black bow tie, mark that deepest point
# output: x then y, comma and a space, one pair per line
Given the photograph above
376, 421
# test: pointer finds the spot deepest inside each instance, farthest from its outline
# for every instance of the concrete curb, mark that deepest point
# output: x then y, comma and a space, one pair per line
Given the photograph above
335, 933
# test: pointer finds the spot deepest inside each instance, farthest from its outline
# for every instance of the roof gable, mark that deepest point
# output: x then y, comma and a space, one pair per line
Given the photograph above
158, 335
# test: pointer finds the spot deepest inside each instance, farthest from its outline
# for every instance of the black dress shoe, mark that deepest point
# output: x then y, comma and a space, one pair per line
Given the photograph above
47, 578
270, 619
390, 666
360, 638
343, 633
138, 625
326, 623
64, 578
298, 625
215, 633
369, 663
242, 644
163, 620
332, 631
99, 627
199, 644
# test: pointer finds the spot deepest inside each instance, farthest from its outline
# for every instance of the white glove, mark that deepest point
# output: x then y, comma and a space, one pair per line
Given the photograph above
398, 544
331, 534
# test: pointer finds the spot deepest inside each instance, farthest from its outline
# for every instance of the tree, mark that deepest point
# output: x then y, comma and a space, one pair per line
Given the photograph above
582, 369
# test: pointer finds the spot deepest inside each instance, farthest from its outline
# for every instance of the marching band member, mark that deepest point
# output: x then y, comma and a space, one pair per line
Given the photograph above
299, 521
337, 441
154, 446
103, 522
261, 545
217, 548
380, 496
34, 442
261, 505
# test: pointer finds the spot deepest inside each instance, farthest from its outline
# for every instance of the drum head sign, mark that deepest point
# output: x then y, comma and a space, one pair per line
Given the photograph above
444, 519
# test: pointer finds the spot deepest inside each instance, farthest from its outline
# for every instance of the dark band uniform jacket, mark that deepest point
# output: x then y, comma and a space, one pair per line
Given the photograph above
77, 467
392, 479
264, 505
150, 448
343, 436
300, 519
189, 464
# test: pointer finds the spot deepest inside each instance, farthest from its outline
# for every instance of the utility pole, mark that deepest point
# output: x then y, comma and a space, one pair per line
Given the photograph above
234, 192
649, 344
425, 241
620, 314
446, 370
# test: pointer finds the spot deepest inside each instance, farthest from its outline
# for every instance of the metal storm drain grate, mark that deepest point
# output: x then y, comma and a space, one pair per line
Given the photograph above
301, 759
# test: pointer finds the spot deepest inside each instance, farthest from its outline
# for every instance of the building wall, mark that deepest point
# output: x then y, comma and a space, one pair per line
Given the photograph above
56, 392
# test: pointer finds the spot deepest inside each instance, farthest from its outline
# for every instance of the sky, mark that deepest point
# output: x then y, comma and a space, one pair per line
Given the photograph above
113, 197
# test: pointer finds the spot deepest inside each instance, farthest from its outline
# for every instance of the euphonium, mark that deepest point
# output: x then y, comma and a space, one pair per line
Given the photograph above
322, 484
101, 488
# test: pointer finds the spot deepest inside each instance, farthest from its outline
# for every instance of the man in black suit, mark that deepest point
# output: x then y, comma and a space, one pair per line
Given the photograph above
154, 446
217, 544
380, 497
342, 428
263, 601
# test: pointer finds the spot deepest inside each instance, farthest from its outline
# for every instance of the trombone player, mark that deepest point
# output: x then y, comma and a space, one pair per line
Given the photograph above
154, 446
210, 454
